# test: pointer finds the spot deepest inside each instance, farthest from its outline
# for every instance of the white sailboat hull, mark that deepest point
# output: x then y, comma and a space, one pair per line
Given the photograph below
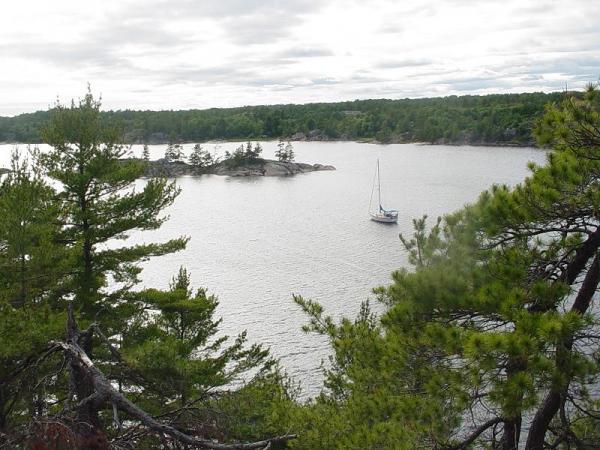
384, 218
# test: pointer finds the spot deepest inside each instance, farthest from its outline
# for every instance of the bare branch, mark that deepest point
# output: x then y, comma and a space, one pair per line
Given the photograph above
104, 389
471, 438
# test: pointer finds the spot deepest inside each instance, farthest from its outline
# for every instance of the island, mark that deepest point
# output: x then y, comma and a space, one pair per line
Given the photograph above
258, 167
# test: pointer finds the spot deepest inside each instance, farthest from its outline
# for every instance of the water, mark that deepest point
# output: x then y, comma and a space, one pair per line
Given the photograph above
256, 241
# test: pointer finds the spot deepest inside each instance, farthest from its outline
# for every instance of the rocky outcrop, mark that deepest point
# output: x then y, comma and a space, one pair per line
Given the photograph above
313, 135
262, 167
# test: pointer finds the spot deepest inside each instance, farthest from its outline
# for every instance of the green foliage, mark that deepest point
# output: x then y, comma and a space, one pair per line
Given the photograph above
161, 348
285, 152
243, 155
26, 332
174, 152
266, 406
201, 157
32, 261
497, 119
494, 324
175, 344
146, 153
34, 267
98, 201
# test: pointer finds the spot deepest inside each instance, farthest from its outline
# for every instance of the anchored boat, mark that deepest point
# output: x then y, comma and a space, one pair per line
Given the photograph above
381, 215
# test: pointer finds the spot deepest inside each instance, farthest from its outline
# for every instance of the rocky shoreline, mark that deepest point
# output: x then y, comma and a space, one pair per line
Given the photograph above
320, 137
261, 167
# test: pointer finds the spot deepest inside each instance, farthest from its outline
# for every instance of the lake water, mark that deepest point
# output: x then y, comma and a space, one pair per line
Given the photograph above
256, 241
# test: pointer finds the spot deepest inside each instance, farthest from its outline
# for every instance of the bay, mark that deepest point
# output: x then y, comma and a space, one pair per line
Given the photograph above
256, 241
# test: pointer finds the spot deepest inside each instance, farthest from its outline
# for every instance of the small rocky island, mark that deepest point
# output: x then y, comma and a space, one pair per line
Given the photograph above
260, 168
257, 167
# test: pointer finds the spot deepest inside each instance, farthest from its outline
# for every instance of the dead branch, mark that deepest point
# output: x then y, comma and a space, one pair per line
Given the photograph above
474, 435
104, 391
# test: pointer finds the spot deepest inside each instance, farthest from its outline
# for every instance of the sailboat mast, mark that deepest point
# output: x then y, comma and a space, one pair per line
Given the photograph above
379, 184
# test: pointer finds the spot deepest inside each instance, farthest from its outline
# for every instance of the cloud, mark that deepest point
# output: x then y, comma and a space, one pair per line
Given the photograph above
189, 53
304, 52
403, 63
218, 9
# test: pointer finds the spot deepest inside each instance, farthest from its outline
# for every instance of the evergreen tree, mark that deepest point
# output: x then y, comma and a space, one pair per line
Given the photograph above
100, 207
176, 347
494, 324
33, 262
146, 153
196, 156
251, 153
55, 388
235, 158
257, 151
280, 152
285, 152
34, 268
200, 157
289, 150
174, 152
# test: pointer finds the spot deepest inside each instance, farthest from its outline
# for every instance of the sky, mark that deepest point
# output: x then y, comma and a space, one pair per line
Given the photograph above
184, 54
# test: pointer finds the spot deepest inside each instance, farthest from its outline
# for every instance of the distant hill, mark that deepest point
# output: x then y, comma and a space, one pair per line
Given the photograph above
502, 119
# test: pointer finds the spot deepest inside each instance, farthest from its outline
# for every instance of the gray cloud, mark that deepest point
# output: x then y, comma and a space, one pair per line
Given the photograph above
244, 21
219, 9
403, 63
304, 52
271, 51
475, 84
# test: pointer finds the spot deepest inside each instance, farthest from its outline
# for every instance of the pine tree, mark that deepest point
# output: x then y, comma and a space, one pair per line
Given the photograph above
196, 156
146, 153
97, 198
285, 152
55, 388
175, 345
100, 207
280, 152
495, 318
200, 157
174, 152
34, 270
289, 151
257, 151
32, 260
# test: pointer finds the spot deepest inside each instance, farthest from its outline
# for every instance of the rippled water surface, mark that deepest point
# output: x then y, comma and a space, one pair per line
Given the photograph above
256, 241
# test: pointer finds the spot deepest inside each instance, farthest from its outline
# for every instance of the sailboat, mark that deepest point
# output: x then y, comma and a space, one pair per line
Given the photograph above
381, 215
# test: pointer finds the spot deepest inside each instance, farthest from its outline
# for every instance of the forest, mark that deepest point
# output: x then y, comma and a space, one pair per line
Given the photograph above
502, 119
489, 340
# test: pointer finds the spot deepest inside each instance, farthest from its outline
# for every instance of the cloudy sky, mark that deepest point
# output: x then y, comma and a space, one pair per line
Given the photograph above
180, 54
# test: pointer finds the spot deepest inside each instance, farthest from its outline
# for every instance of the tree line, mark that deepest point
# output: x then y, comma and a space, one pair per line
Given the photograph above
492, 119
490, 339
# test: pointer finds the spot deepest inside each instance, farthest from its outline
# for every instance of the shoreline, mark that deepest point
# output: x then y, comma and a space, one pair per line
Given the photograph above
359, 141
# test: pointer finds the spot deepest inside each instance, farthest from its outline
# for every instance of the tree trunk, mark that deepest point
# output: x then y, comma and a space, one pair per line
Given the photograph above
552, 402
80, 383
512, 433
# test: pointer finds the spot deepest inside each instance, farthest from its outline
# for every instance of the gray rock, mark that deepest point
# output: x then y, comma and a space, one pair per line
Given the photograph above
299, 136
263, 167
